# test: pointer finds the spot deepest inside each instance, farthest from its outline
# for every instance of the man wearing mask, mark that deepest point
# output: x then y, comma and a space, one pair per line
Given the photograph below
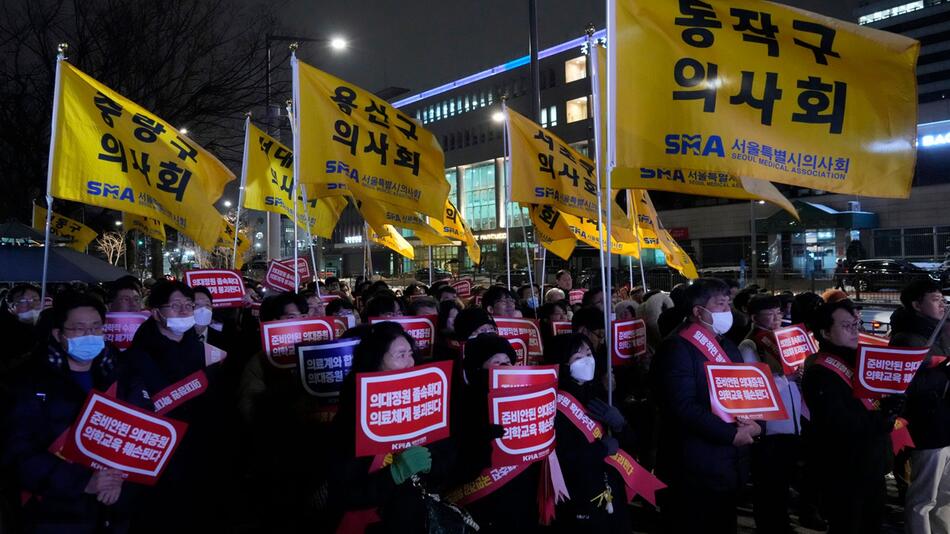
703, 458
63, 496
18, 322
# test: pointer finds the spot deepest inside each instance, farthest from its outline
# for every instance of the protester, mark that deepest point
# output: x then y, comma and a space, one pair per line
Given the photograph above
444, 292
563, 281
125, 295
844, 427
446, 345
672, 317
471, 322
315, 305
424, 306
499, 302
702, 458
650, 311
593, 298
343, 307
626, 310
548, 314
382, 304
208, 330
18, 323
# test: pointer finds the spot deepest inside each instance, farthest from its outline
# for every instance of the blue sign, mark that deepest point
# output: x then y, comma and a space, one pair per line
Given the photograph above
323, 366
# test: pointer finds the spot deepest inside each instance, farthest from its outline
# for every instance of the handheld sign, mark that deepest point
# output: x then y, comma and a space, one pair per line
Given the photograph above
463, 288
303, 269
113, 434
576, 296
743, 390
629, 340
420, 327
120, 327
509, 327
323, 366
561, 327
396, 410
516, 376
279, 338
279, 277
870, 339
885, 370
226, 286
794, 344
527, 416
520, 344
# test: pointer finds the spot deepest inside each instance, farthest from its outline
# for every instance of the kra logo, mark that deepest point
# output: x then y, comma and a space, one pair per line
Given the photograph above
684, 144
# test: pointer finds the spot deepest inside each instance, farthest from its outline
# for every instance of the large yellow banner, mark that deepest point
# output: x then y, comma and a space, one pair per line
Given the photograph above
390, 238
226, 240
378, 215
647, 221
110, 152
453, 226
587, 231
147, 226
553, 233
269, 184
345, 134
710, 91
676, 257
75, 234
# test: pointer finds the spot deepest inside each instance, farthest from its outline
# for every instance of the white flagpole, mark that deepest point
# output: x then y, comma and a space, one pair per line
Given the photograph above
504, 108
543, 276
611, 141
293, 131
430, 265
57, 91
237, 218
527, 254
313, 258
636, 230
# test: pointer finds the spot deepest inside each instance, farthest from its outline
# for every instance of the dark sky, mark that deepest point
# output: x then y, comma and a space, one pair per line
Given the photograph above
419, 44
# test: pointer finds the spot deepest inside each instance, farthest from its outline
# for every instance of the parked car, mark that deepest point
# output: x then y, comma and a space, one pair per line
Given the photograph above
422, 275
876, 274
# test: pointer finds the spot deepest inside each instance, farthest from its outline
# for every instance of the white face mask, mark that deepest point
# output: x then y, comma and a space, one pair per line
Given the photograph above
202, 316
28, 316
180, 325
582, 370
722, 321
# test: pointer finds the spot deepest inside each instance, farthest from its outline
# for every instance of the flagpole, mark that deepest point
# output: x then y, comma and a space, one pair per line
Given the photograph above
313, 259
636, 230
293, 131
611, 142
237, 218
544, 259
504, 133
57, 91
527, 254
430, 265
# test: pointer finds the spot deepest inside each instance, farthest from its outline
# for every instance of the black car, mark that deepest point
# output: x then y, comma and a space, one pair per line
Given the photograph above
873, 275
422, 275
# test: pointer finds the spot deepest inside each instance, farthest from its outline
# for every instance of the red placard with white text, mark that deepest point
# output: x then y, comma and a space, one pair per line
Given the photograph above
396, 410
279, 338
326, 299
629, 341
303, 268
744, 390
226, 286
120, 327
562, 327
794, 344
517, 376
576, 296
420, 327
527, 415
885, 370
463, 288
520, 344
509, 327
871, 339
113, 434
279, 277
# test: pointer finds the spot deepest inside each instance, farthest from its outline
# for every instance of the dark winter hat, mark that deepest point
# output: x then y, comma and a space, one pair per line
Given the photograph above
763, 302
483, 347
468, 320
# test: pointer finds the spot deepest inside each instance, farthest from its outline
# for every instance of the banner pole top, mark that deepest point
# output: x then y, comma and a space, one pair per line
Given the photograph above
590, 29
293, 47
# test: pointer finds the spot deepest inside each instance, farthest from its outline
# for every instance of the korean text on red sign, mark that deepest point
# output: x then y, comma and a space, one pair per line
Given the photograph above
743, 390
226, 286
506, 377
508, 328
886, 370
120, 327
794, 345
463, 288
421, 328
527, 416
279, 338
112, 434
629, 340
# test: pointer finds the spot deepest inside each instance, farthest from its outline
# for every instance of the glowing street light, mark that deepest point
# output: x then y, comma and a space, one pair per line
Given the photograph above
498, 116
338, 43
118, 223
227, 203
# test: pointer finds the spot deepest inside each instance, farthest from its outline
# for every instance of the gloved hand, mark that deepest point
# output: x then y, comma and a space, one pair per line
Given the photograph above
411, 461
893, 405
609, 445
606, 414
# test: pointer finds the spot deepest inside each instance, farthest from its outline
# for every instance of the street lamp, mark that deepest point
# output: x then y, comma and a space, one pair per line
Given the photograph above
227, 203
118, 223
183, 130
498, 117
338, 43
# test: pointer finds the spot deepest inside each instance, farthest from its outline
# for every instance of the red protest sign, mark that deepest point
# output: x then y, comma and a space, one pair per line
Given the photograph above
794, 345
629, 340
463, 288
869, 339
505, 377
509, 327
226, 286
885, 370
303, 268
180, 392
420, 327
527, 415
326, 299
120, 327
520, 344
743, 390
279, 337
396, 410
576, 296
561, 327
111, 433
279, 277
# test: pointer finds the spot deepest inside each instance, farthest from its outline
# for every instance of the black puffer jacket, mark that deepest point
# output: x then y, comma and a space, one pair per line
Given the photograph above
928, 396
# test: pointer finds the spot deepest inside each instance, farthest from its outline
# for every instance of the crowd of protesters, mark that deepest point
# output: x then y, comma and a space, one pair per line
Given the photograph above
259, 456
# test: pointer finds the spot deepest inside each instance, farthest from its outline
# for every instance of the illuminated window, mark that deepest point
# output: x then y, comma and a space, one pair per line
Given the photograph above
891, 12
549, 116
576, 109
479, 207
575, 69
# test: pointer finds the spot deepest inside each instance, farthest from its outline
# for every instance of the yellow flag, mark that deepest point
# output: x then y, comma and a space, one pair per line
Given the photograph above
152, 228
76, 234
587, 231
676, 257
710, 91
553, 233
110, 152
648, 223
393, 240
378, 215
345, 134
269, 184
226, 240
451, 225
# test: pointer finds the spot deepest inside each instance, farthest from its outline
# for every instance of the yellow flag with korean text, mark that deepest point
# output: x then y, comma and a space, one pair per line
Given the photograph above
553, 233
75, 234
153, 228
676, 257
110, 152
451, 225
268, 170
378, 215
645, 217
745, 88
587, 231
346, 135
390, 238
226, 240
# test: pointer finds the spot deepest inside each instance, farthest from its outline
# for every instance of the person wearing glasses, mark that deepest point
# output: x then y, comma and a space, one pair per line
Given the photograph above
18, 323
852, 434
49, 394
125, 295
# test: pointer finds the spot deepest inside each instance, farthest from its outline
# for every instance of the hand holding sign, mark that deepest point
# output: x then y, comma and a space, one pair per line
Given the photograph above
885, 370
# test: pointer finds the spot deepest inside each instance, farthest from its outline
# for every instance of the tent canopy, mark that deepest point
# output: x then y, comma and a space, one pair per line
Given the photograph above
25, 264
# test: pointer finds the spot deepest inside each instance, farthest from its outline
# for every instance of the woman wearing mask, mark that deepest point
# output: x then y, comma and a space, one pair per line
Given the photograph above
598, 498
63, 497
368, 492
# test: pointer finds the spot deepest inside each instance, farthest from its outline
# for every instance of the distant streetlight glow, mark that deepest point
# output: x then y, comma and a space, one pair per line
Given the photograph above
498, 116
338, 43
118, 223
227, 203
183, 130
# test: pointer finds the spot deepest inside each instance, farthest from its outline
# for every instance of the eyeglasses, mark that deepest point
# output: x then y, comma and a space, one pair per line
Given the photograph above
180, 307
76, 331
853, 326
25, 302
